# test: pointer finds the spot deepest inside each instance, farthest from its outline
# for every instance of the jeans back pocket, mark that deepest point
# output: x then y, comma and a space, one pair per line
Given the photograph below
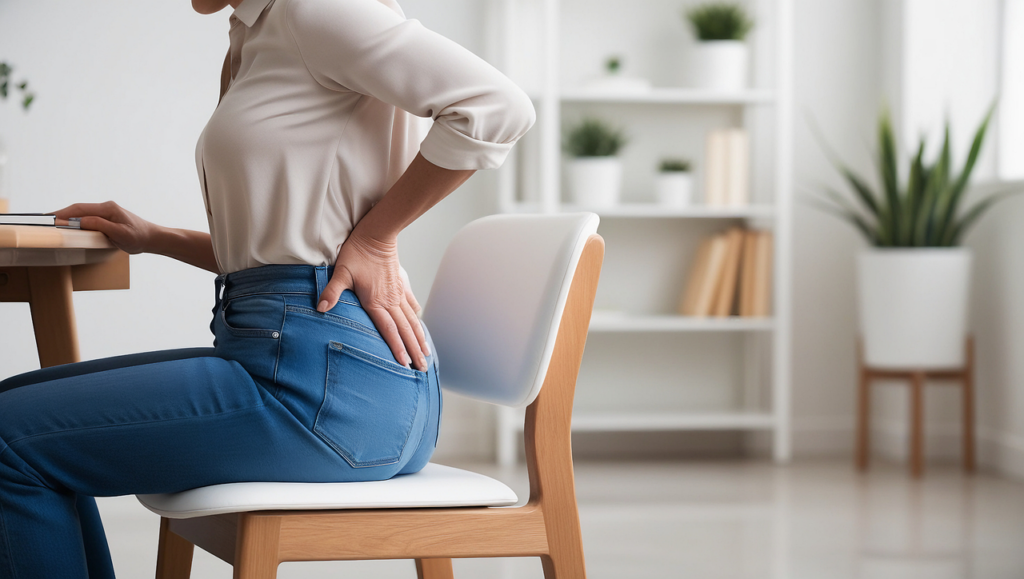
370, 405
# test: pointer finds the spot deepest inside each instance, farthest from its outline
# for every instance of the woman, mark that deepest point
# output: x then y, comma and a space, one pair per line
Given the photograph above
320, 370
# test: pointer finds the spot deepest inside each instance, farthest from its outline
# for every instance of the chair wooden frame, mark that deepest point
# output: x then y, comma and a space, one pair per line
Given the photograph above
547, 526
916, 378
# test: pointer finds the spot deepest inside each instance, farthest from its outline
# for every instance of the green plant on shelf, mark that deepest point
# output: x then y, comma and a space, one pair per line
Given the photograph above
6, 82
924, 211
674, 166
593, 137
613, 65
720, 21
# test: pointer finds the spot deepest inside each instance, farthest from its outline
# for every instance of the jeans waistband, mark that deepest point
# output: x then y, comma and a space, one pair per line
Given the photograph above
276, 279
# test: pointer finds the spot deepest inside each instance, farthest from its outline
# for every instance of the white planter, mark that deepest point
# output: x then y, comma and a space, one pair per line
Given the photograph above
719, 65
913, 306
595, 181
674, 189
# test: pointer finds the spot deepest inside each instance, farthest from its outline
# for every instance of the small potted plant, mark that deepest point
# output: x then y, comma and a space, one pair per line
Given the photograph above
613, 79
595, 171
913, 283
6, 84
719, 60
674, 184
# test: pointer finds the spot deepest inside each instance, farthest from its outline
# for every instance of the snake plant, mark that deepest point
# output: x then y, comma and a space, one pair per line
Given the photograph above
923, 211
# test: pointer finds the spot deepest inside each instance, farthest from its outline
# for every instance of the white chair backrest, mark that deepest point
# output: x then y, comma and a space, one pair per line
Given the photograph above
497, 300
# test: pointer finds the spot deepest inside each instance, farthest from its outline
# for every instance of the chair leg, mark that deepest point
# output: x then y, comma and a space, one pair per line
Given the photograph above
174, 554
969, 461
917, 424
565, 543
434, 569
257, 547
863, 419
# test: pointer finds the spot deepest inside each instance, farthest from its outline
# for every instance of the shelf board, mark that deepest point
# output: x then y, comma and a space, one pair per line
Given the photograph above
615, 322
654, 210
691, 212
669, 96
664, 421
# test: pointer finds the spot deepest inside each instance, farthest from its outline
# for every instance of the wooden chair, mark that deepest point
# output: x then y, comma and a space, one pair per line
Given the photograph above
916, 378
509, 314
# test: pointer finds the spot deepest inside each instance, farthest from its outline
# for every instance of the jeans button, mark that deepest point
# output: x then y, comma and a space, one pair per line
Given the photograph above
276, 334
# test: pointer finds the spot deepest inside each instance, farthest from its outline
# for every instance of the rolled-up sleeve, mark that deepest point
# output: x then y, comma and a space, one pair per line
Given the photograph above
364, 46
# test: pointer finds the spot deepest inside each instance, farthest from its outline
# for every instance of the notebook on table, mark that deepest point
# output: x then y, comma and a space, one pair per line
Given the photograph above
43, 219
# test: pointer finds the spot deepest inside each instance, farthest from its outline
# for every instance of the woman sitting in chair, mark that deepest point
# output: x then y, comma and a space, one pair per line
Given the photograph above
321, 371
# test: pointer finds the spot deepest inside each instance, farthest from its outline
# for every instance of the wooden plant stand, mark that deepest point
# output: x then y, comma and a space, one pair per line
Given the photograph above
916, 379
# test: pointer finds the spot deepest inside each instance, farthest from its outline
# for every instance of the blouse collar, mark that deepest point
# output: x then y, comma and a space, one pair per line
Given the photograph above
249, 11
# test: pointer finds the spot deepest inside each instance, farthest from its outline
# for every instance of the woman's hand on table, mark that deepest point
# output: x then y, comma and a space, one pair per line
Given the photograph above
369, 267
129, 232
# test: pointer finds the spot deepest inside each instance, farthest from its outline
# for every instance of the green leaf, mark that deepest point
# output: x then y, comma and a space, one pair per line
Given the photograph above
889, 173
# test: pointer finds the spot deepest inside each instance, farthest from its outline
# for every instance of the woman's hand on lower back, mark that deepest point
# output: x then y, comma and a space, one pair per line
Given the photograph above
369, 267
127, 231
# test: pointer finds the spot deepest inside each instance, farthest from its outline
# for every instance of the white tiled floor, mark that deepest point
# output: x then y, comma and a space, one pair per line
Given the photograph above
723, 520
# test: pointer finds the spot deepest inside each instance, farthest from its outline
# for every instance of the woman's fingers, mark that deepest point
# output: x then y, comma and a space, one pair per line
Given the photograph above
417, 327
108, 210
340, 281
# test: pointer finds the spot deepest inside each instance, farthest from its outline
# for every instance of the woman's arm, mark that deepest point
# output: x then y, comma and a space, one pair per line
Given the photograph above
368, 261
134, 234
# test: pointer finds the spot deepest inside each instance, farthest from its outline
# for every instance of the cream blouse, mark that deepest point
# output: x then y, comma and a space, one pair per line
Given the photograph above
315, 125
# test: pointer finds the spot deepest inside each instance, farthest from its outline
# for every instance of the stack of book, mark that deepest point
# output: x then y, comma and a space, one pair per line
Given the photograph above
727, 168
731, 275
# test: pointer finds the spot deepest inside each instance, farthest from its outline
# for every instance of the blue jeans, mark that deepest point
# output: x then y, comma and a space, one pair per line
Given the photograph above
286, 394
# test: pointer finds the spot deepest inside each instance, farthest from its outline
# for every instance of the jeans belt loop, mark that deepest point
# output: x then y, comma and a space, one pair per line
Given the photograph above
218, 283
321, 280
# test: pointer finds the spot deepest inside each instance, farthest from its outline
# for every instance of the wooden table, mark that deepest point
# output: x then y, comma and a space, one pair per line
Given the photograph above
42, 266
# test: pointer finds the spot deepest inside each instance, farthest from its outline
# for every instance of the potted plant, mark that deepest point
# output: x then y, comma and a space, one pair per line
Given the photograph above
719, 60
913, 282
674, 184
595, 171
27, 97
613, 79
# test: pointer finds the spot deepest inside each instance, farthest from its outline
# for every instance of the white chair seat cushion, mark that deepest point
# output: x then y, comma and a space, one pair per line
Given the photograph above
434, 486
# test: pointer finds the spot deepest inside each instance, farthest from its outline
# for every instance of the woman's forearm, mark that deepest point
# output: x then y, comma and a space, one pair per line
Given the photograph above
192, 247
422, 186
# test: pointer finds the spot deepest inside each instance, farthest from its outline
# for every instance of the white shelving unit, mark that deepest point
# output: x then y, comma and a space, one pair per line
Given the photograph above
647, 369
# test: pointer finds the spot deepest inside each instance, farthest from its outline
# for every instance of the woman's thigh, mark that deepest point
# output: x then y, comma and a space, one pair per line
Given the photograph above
157, 427
102, 364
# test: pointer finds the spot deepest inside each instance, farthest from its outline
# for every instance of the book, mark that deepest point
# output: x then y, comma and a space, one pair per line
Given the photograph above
715, 168
711, 280
695, 278
44, 219
726, 293
738, 158
761, 305
747, 269
727, 168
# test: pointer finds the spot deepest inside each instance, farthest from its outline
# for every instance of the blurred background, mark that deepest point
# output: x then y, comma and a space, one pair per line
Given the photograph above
709, 444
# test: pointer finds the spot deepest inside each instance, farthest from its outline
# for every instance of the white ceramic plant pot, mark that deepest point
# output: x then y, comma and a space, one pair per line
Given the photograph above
719, 65
913, 306
595, 181
674, 188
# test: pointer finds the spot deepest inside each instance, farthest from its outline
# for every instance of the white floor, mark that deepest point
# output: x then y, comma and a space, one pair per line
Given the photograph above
722, 520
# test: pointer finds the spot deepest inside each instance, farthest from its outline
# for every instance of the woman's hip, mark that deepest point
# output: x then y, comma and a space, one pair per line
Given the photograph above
331, 370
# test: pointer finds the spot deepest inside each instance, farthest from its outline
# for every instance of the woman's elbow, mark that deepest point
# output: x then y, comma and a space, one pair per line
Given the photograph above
520, 110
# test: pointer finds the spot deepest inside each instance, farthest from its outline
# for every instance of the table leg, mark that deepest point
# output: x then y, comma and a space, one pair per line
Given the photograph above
917, 424
53, 315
